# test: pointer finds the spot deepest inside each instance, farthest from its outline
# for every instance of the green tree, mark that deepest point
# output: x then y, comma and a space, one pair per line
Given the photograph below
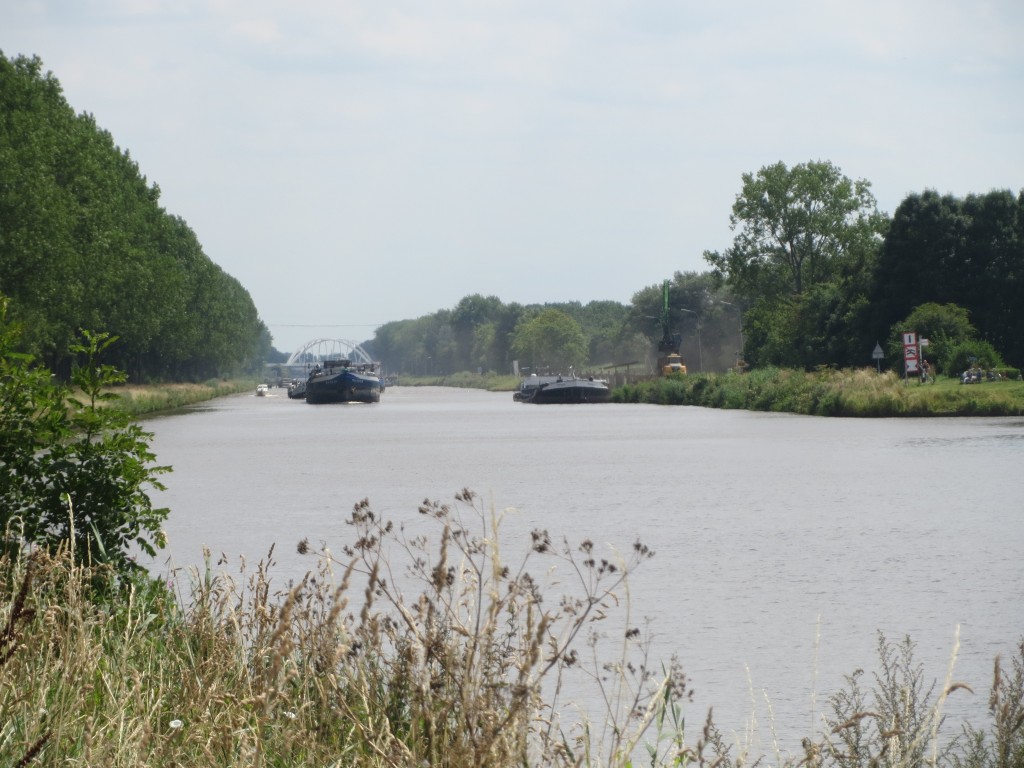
801, 263
73, 469
997, 243
550, 340
938, 323
403, 345
36, 219
33, 418
797, 227
84, 243
504, 330
968, 252
952, 338
604, 323
484, 346
974, 353
470, 314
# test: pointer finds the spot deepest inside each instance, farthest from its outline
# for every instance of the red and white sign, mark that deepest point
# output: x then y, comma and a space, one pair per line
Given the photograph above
910, 352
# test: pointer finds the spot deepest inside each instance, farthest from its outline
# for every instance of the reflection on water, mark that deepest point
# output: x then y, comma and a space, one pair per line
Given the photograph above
784, 543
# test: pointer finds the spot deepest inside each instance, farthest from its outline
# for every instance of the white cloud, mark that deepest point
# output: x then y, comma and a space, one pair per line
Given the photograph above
256, 30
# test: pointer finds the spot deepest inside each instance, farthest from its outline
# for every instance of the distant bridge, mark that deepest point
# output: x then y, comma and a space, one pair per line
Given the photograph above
318, 350
309, 354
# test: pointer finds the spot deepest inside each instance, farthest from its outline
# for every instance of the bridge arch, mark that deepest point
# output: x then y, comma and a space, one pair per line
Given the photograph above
329, 349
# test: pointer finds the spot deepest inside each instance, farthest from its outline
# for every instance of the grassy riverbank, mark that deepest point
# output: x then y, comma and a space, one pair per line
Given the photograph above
856, 393
144, 399
342, 670
860, 393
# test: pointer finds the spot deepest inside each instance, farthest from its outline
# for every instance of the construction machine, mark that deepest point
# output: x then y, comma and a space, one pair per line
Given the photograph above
670, 362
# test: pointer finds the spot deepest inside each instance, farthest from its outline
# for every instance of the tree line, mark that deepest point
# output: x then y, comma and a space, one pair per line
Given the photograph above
823, 275
481, 333
816, 276
85, 244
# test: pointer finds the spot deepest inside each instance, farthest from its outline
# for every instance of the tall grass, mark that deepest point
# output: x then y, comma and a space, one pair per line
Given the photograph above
140, 400
341, 668
403, 649
827, 392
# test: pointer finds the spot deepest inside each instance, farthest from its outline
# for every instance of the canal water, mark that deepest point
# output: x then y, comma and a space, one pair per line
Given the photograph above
784, 544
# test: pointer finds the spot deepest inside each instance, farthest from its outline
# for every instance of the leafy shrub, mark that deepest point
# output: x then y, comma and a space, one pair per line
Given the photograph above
970, 354
73, 471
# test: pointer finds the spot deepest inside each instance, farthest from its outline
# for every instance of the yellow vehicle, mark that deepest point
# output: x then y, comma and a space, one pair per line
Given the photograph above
672, 364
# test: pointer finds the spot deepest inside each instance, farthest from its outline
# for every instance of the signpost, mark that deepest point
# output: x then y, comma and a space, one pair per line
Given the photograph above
911, 354
877, 355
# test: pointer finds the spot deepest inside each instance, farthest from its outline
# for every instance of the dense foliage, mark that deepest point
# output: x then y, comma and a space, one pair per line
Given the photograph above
551, 339
797, 228
967, 252
73, 470
806, 237
953, 342
824, 275
84, 243
482, 333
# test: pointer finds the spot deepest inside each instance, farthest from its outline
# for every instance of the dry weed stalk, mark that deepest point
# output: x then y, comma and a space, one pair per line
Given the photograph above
901, 729
19, 615
468, 655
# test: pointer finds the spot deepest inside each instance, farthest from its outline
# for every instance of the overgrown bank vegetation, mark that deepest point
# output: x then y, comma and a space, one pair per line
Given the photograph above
861, 393
436, 649
154, 398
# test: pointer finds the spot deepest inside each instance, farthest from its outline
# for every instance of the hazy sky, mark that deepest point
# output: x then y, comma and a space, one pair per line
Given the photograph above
354, 163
